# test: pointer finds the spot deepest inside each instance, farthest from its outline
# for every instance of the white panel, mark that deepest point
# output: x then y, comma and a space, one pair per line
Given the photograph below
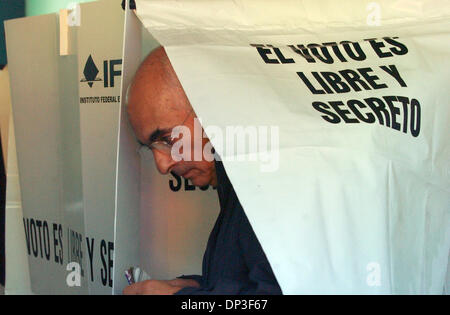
345, 199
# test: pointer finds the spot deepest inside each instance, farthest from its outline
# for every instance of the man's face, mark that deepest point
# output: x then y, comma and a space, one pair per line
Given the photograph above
155, 107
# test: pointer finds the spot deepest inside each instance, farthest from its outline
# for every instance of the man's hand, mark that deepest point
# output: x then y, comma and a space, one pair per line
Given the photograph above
184, 283
151, 287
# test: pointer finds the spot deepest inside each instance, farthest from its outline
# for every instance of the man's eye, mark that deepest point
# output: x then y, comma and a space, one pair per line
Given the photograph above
168, 139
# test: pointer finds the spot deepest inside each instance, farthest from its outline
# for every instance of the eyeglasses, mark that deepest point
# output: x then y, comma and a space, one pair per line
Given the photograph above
166, 143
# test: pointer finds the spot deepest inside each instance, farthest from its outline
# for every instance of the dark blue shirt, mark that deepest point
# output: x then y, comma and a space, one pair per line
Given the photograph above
234, 262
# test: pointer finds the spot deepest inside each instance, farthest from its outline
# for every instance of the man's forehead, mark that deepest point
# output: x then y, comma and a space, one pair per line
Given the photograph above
156, 99
151, 115
144, 118
151, 102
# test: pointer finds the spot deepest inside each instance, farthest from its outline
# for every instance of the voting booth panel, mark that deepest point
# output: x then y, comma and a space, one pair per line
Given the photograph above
350, 192
164, 229
93, 202
178, 218
51, 198
67, 146
16, 263
99, 50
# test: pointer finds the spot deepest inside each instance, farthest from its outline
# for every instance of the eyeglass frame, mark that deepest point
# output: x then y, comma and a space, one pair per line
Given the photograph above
162, 145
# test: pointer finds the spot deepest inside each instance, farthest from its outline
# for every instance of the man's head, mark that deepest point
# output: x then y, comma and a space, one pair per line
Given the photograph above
156, 104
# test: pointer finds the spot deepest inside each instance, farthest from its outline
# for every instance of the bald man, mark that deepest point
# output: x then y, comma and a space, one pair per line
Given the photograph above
234, 262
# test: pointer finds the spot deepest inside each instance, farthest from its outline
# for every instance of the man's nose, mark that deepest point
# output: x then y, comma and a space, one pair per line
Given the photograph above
163, 161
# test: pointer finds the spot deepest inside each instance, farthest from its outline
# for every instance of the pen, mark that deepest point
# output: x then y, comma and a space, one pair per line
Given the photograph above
129, 277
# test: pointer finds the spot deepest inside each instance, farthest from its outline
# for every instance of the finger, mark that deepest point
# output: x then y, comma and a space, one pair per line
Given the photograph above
133, 289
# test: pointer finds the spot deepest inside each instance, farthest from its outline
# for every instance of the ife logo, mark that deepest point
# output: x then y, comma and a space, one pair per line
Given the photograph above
91, 72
